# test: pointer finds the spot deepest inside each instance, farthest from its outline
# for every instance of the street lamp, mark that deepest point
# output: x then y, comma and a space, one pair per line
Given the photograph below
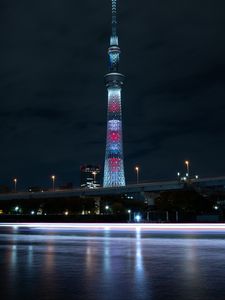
94, 174
15, 183
129, 212
17, 208
53, 182
187, 163
137, 171
137, 218
107, 209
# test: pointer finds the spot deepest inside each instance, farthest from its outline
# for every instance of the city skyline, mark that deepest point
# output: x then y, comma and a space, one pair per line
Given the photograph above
53, 96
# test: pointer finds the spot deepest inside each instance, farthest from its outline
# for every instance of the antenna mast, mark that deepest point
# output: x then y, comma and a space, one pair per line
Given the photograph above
114, 37
114, 22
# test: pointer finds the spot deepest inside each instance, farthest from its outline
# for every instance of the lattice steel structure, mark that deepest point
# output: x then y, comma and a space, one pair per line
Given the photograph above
114, 167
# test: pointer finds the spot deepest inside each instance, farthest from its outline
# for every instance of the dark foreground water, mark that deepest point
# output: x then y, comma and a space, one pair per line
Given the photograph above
40, 264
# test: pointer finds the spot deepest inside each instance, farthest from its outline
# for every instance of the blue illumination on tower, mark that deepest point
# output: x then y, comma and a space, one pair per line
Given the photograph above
114, 168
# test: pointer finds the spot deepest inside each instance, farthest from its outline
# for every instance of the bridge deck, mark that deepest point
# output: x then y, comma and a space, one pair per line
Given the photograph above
132, 188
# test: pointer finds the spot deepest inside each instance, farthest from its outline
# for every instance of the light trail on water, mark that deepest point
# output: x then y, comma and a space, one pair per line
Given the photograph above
153, 227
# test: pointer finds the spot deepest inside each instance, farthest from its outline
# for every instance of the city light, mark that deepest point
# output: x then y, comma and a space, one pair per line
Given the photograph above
137, 218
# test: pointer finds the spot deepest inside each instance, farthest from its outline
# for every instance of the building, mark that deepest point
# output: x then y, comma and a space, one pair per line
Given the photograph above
114, 166
89, 176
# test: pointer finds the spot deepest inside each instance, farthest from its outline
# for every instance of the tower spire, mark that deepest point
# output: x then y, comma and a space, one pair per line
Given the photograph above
114, 21
114, 37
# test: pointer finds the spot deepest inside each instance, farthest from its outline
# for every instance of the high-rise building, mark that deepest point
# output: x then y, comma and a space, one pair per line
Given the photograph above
89, 176
114, 167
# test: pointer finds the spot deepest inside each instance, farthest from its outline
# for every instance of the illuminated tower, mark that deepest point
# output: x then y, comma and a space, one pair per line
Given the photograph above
114, 169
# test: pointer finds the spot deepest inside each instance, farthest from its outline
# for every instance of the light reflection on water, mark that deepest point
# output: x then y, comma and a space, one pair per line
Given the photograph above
110, 265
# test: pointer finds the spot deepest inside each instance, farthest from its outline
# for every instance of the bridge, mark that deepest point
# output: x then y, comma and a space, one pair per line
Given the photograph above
141, 188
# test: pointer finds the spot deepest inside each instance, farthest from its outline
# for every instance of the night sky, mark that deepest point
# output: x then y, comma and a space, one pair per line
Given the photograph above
54, 101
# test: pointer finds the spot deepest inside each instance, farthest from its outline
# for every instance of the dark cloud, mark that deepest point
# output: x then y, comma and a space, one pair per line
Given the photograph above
53, 98
193, 83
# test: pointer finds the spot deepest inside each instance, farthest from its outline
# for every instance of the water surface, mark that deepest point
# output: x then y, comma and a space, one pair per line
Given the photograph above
107, 264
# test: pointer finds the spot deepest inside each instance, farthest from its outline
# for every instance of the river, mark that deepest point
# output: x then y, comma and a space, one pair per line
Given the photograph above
48, 263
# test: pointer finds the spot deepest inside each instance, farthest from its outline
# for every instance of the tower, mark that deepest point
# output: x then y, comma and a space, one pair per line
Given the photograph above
114, 168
